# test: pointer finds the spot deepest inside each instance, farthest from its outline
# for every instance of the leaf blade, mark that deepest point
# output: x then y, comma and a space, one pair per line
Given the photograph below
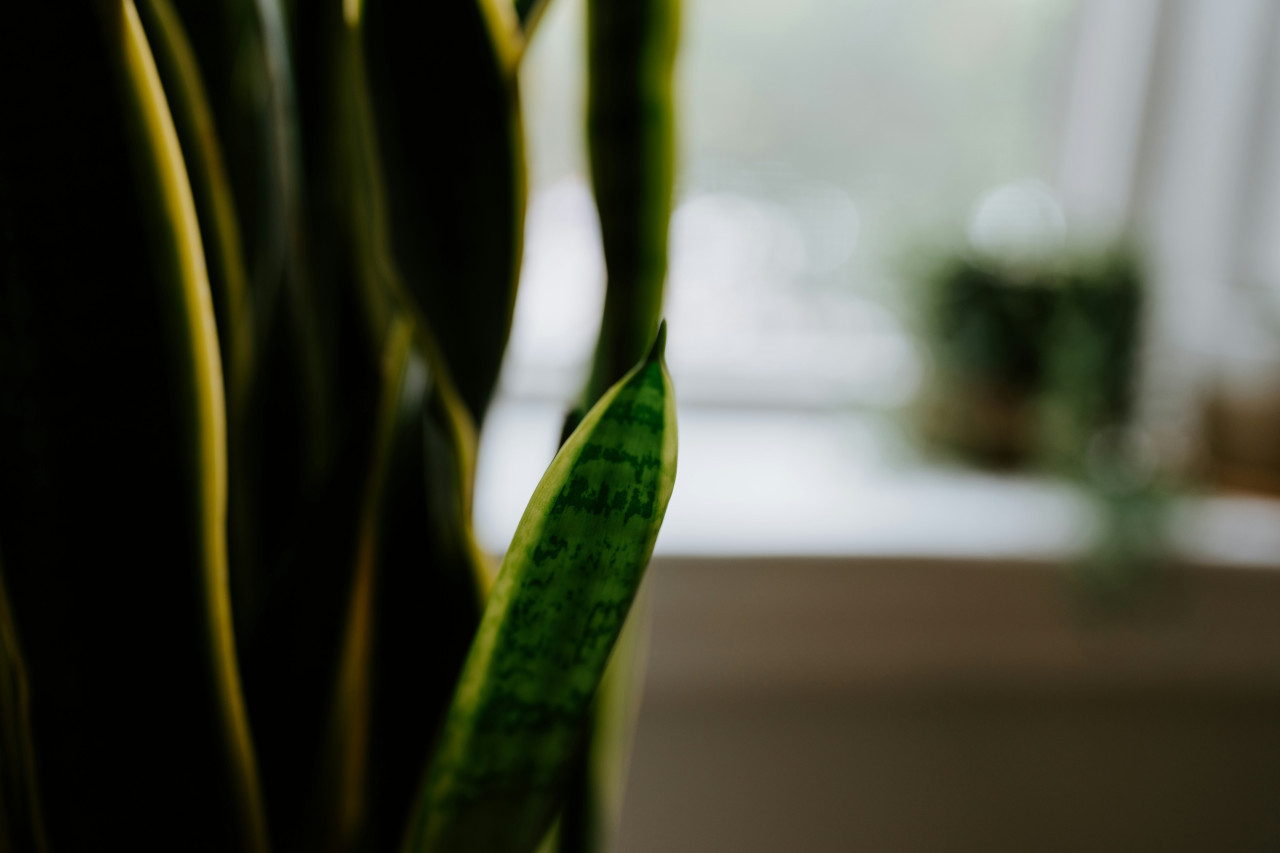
552, 618
456, 233
117, 439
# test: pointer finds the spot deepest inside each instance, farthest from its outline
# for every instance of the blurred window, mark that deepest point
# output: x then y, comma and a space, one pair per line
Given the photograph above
821, 143
826, 149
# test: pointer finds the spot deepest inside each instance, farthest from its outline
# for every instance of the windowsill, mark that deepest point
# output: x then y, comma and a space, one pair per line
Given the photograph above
795, 483
879, 655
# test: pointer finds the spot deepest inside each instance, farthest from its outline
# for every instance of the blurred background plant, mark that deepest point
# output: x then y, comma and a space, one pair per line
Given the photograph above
1034, 361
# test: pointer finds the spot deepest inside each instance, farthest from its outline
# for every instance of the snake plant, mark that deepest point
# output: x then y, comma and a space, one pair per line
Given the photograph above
258, 261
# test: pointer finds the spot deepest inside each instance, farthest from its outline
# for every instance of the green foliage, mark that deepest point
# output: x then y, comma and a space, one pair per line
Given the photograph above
631, 50
1034, 365
1033, 360
113, 451
558, 606
257, 271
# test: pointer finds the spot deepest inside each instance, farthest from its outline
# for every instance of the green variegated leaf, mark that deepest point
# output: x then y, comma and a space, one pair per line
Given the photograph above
225, 67
552, 618
112, 448
453, 160
630, 118
240, 49
413, 609
593, 806
294, 658
215, 207
340, 818
407, 572
631, 49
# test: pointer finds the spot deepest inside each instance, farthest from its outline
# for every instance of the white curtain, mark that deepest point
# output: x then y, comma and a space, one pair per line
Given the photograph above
1171, 135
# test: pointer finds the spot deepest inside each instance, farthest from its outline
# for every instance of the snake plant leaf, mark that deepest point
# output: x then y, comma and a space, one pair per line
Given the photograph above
418, 575
631, 49
381, 284
215, 207
373, 617
447, 110
414, 608
112, 453
248, 87
424, 570
430, 599
21, 820
300, 470
293, 655
242, 50
597, 782
230, 58
228, 275
555, 611
342, 796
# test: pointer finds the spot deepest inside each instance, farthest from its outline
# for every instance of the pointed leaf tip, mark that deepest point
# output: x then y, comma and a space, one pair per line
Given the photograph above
659, 348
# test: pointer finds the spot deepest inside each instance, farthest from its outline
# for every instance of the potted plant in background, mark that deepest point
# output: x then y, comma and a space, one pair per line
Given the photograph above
1031, 361
1034, 363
